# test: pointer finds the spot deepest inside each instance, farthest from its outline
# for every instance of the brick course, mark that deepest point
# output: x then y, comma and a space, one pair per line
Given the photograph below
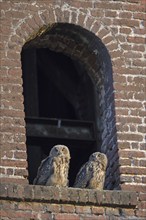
38, 201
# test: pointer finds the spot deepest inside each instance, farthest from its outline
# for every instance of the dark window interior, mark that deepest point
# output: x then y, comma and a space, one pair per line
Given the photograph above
59, 101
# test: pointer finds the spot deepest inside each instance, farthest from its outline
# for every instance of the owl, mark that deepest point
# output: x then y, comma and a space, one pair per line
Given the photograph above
92, 174
53, 170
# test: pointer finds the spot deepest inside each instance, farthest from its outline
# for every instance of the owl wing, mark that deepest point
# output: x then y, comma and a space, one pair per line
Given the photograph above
84, 175
45, 170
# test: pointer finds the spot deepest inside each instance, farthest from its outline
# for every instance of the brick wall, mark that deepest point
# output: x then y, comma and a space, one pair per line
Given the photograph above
37, 202
120, 26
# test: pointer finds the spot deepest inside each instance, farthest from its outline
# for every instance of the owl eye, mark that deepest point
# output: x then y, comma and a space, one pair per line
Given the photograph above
64, 150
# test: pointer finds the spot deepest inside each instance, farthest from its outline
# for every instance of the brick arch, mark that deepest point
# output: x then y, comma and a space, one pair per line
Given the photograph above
35, 26
31, 26
90, 54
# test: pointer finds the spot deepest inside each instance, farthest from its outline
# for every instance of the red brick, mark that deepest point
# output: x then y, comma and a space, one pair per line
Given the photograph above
133, 170
131, 154
139, 62
97, 210
12, 146
96, 13
95, 27
132, 1
21, 172
20, 155
68, 208
110, 13
133, 7
124, 162
4, 5
136, 40
126, 22
81, 19
45, 216
13, 163
142, 196
112, 211
112, 46
10, 179
11, 113
140, 31
144, 180
54, 208
93, 218
141, 213
133, 54
10, 63
142, 205
121, 112
3, 171
102, 33
125, 15
123, 128
127, 120
142, 129
66, 217
108, 5
142, 163
108, 39
128, 212
138, 48
134, 187
83, 209
82, 4
143, 146
128, 104
125, 30
139, 15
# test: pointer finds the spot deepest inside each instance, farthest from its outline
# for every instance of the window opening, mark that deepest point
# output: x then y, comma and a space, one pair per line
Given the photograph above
59, 101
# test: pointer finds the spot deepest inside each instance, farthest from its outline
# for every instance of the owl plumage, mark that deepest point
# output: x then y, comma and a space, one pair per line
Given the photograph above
92, 174
53, 170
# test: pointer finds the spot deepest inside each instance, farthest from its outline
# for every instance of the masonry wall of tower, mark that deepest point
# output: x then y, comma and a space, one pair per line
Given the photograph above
120, 25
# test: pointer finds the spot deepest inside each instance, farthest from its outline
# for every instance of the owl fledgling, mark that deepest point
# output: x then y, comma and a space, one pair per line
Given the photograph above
92, 174
53, 170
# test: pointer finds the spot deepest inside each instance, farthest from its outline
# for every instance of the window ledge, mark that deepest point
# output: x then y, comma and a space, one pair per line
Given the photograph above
60, 195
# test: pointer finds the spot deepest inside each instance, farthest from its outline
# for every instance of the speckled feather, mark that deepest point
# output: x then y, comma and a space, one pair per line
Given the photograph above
53, 170
92, 173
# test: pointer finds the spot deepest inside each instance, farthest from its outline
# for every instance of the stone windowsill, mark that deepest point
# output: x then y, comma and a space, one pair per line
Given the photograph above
47, 194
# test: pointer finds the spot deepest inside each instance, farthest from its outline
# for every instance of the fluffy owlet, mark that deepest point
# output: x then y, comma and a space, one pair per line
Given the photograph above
92, 173
53, 170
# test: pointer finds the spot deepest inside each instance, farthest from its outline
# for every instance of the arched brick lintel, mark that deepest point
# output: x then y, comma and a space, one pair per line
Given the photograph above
31, 26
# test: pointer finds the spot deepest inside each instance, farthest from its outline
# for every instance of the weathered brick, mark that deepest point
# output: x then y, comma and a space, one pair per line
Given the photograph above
136, 40
73, 195
130, 137
68, 208
134, 187
142, 196
112, 212
128, 212
141, 213
66, 216
83, 209
133, 170
131, 154
84, 196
